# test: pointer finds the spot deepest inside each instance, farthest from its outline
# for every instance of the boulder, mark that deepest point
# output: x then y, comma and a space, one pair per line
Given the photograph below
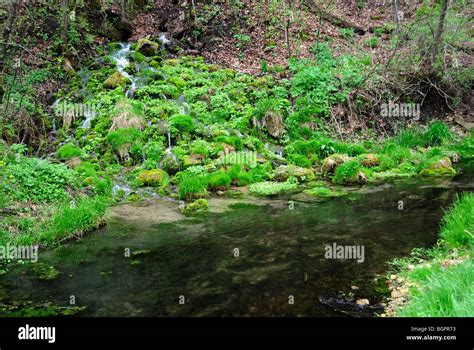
284, 172
116, 80
331, 162
370, 160
153, 178
440, 167
147, 47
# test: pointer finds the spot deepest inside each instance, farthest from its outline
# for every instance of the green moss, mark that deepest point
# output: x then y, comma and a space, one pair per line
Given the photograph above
324, 192
347, 173
116, 80
284, 172
199, 205
438, 167
268, 188
178, 82
154, 178
68, 151
147, 47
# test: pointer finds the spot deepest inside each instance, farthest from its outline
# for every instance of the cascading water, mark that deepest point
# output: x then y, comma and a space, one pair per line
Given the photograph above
121, 60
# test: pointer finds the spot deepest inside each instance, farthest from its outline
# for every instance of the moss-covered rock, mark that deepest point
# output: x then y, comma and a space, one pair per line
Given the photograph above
147, 47
116, 80
331, 162
284, 172
324, 192
369, 160
153, 178
138, 57
193, 159
440, 167
199, 205
268, 188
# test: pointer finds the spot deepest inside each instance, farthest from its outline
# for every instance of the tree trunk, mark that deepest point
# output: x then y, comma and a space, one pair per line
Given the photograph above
4, 37
64, 25
439, 33
395, 15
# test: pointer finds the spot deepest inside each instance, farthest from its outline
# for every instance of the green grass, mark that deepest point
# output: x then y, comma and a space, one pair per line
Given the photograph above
441, 289
192, 186
458, 223
268, 188
445, 292
70, 220
218, 180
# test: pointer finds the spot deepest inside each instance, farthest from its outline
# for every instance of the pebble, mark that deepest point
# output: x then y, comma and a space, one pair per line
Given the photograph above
362, 302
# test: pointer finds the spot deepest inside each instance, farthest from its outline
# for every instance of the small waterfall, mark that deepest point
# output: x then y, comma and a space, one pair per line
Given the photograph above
163, 39
122, 62
89, 113
169, 142
54, 114
183, 105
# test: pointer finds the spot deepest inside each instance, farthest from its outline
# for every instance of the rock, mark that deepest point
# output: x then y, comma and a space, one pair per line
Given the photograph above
331, 162
370, 160
396, 294
362, 302
116, 80
393, 277
274, 124
193, 159
354, 288
220, 193
147, 47
199, 205
441, 167
284, 172
154, 178
138, 57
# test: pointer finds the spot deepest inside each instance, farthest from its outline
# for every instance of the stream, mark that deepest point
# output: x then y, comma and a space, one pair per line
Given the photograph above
150, 260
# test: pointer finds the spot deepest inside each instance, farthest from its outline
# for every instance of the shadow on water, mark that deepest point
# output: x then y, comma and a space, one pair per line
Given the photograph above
281, 257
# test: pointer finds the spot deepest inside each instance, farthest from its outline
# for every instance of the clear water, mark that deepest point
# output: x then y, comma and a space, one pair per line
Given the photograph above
281, 255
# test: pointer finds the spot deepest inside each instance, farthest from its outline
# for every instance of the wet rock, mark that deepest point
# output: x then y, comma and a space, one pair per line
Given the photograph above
116, 80
147, 47
284, 172
441, 167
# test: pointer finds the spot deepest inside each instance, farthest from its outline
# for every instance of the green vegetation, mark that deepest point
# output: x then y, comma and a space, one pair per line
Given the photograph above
273, 188
442, 278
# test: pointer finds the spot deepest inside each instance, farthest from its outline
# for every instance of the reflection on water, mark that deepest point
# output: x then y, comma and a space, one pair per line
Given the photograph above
280, 257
